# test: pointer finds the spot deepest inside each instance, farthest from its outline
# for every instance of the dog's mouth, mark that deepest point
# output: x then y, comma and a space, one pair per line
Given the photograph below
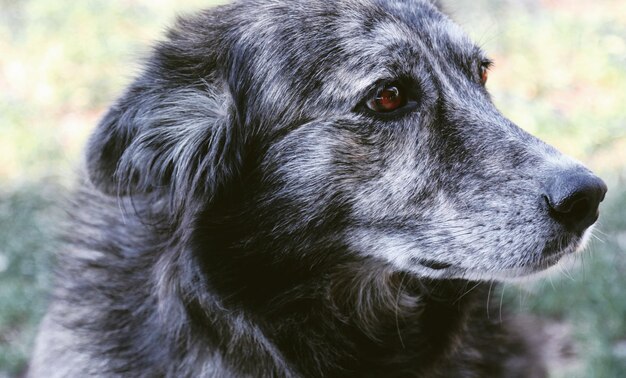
551, 255
434, 265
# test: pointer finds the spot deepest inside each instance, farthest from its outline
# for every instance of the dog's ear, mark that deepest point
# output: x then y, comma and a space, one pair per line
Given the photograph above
172, 128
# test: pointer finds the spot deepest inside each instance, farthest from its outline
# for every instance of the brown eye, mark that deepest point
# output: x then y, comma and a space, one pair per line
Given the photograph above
388, 99
484, 72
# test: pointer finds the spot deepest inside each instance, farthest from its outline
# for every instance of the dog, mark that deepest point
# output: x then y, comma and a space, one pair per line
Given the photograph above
309, 189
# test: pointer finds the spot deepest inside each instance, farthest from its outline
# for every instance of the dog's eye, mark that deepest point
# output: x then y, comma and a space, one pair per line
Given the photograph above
483, 71
387, 99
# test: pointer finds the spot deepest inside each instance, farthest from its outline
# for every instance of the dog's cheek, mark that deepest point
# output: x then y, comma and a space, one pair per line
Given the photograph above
309, 174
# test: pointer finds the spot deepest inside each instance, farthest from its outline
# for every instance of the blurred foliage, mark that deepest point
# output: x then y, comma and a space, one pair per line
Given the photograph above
560, 72
61, 64
25, 246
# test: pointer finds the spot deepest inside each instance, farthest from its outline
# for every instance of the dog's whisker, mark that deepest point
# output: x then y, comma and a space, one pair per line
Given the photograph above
501, 301
489, 298
596, 237
599, 231
467, 292
396, 309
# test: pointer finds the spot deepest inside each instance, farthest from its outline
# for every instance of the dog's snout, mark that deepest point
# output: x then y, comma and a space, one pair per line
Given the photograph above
574, 198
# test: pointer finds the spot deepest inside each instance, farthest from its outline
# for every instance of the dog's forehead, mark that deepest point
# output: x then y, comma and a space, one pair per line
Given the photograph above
330, 53
406, 35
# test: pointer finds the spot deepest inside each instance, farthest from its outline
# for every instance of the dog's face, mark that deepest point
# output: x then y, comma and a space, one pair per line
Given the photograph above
370, 121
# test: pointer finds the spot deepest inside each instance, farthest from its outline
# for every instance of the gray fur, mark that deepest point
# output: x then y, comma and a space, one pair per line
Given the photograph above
246, 216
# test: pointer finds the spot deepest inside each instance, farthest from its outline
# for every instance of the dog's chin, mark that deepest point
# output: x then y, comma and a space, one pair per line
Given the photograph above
549, 262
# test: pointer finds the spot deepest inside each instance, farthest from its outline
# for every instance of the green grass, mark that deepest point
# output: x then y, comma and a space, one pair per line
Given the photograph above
559, 73
25, 244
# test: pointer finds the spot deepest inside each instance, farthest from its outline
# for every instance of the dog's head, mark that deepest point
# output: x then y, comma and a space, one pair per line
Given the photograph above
358, 127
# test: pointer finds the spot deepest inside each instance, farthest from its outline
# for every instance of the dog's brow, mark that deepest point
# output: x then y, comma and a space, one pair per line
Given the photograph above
479, 54
388, 33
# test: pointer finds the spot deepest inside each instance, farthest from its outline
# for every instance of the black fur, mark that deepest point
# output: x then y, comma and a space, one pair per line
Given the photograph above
247, 215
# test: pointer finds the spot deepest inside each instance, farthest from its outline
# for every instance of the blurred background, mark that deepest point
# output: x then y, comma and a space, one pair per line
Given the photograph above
560, 73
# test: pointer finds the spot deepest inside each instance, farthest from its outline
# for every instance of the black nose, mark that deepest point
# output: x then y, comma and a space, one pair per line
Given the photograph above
574, 197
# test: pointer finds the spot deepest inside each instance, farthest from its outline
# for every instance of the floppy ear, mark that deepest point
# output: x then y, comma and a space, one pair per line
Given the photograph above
172, 128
